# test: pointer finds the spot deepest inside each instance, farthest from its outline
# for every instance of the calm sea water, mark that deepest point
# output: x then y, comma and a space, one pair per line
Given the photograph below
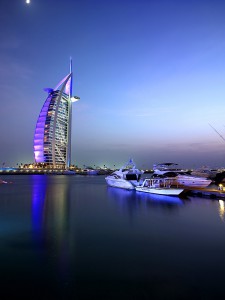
72, 237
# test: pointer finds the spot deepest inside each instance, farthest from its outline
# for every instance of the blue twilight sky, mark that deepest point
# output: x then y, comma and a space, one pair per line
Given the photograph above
150, 75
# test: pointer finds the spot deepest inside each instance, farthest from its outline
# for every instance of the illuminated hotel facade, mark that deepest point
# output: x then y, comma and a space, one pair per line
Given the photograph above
52, 138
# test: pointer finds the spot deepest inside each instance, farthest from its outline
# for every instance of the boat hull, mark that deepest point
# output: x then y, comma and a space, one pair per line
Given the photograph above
160, 191
120, 183
192, 182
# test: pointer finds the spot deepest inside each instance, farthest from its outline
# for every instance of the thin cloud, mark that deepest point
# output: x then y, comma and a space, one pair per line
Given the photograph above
18, 70
10, 43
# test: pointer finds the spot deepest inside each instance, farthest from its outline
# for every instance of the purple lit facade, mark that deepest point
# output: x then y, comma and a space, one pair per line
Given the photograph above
52, 138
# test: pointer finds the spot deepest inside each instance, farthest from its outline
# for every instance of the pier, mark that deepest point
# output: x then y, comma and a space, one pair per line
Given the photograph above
213, 193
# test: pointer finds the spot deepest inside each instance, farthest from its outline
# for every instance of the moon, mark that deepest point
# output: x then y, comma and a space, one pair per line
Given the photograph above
27, 1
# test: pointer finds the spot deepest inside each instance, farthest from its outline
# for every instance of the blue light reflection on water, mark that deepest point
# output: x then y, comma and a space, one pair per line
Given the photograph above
122, 195
133, 202
39, 189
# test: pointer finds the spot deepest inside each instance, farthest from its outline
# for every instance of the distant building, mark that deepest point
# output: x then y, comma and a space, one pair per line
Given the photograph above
52, 138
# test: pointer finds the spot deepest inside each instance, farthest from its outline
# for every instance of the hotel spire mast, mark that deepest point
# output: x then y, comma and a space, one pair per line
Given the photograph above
68, 159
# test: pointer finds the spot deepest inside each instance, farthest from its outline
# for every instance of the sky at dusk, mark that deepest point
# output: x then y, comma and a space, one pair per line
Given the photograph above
150, 76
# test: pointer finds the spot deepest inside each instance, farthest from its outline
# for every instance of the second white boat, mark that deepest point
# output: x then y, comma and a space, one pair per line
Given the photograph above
160, 186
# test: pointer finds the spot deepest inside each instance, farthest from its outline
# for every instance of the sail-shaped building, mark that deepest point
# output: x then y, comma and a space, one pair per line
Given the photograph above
52, 138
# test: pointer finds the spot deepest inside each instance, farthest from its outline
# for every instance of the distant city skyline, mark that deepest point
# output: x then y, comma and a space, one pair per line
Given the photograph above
151, 76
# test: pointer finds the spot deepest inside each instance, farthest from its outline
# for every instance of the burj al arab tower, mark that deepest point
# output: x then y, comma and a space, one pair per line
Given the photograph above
52, 138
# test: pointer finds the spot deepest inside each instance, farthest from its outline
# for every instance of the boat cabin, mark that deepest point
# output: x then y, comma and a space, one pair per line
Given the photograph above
158, 183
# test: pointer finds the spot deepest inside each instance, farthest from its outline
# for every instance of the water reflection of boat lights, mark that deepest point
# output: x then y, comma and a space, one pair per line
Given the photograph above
159, 198
123, 195
114, 191
221, 209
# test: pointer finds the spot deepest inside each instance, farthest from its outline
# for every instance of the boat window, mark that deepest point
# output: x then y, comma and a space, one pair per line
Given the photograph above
170, 174
184, 173
131, 176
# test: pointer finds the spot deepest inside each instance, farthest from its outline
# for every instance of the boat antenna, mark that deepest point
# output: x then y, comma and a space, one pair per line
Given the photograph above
217, 132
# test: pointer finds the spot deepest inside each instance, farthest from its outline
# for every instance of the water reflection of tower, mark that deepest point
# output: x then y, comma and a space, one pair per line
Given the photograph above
50, 217
38, 202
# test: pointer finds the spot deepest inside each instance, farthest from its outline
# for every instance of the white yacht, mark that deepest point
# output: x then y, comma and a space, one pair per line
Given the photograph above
180, 177
205, 172
128, 177
160, 186
89, 171
164, 168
